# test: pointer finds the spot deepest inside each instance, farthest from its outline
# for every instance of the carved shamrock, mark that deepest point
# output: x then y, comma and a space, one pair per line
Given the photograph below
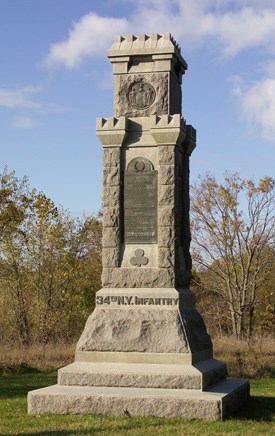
139, 258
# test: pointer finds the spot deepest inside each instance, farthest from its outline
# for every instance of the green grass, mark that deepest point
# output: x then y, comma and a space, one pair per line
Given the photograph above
258, 417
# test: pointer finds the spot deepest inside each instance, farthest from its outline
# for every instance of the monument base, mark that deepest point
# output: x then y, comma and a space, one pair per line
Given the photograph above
217, 403
143, 353
140, 375
160, 321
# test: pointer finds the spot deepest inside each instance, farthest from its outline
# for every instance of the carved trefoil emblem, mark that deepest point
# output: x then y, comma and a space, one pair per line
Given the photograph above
139, 258
141, 95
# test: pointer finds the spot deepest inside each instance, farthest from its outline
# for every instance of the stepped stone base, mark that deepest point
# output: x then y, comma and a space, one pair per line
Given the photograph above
198, 376
216, 403
143, 353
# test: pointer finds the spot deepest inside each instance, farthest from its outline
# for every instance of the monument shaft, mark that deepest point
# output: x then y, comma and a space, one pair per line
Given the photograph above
146, 234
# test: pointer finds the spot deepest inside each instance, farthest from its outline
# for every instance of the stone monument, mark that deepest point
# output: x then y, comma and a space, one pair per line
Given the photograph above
145, 350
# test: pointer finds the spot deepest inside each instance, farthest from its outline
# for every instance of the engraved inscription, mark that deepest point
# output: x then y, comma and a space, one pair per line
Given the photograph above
140, 205
134, 300
141, 95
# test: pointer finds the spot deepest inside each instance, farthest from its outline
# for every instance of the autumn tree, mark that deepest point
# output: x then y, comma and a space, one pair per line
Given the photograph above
14, 201
50, 265
233, 243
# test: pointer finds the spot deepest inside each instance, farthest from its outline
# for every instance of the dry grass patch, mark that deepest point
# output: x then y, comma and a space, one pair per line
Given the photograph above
254, 358
40, 357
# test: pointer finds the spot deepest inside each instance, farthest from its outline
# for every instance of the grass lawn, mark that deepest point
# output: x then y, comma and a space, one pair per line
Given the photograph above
256, 418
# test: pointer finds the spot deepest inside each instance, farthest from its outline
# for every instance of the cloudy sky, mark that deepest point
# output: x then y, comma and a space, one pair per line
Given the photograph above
55, 79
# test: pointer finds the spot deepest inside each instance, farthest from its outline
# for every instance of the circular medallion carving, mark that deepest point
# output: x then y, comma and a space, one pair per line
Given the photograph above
141, 95
140, 166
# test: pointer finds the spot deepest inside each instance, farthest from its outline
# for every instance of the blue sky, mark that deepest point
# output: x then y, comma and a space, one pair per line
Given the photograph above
55, 79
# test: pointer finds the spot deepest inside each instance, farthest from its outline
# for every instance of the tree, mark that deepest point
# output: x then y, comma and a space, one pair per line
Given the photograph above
233, 242
14, 201
50, 266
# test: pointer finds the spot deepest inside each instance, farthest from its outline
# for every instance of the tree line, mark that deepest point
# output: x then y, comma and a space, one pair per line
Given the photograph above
50, 266
50, 263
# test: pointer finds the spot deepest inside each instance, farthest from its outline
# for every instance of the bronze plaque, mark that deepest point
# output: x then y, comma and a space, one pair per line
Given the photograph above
140, 206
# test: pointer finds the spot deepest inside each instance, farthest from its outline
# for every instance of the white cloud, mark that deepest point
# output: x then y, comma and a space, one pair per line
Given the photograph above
23, 98
244, 29
236, 25
89, 36
24, 123
257, 105
20, 97
228, 26
202, 22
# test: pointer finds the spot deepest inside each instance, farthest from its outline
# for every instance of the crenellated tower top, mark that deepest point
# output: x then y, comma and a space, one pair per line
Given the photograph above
148, 73
144, 44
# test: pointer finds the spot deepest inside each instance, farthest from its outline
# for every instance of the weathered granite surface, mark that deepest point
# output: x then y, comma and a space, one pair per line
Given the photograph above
159, 82
169, 376
143, 330
215, 404
134, 330
138, 277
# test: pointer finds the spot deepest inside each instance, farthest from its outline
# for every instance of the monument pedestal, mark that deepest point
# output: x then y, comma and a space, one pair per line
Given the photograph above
145, 350
141, 362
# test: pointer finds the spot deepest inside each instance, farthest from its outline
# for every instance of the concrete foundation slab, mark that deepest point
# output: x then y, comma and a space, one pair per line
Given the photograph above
214, 404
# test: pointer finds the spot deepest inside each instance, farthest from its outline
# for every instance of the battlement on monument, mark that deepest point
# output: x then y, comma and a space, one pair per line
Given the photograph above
164, 121
111, 123
145, 45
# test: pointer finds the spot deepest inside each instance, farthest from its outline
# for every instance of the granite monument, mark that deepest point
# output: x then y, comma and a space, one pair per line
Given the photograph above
145, 349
